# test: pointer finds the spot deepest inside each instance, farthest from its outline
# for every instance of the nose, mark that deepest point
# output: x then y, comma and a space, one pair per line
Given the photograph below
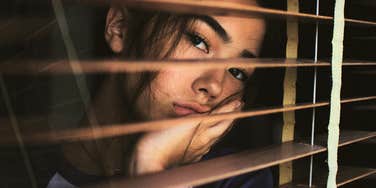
209, 84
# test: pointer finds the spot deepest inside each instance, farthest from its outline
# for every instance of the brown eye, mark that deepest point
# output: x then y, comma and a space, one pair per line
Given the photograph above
238, 74
198, 42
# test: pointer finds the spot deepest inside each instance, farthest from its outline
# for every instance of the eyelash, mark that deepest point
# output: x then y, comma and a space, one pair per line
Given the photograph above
243, 75
235, 72
193, 36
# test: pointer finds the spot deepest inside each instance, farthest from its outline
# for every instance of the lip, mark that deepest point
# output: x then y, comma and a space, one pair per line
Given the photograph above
187, 108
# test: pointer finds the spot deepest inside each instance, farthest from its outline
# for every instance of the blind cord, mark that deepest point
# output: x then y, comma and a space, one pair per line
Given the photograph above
335, 98
314, 93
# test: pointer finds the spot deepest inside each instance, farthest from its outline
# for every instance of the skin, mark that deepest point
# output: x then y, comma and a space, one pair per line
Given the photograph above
206, 88
177, 85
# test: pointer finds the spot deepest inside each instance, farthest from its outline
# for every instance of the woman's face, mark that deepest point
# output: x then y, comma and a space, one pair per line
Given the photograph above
177, 92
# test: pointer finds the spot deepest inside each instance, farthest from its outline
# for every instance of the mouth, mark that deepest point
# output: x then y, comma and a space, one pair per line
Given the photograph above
184, 109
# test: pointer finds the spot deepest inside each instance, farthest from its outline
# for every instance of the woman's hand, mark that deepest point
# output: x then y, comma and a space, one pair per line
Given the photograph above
185, 143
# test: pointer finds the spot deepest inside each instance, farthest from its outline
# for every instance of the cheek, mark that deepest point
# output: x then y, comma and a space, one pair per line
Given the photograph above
177, 83
170, 84
186, 51
232, 86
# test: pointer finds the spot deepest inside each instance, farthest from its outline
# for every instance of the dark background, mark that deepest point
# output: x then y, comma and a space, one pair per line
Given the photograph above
29, 32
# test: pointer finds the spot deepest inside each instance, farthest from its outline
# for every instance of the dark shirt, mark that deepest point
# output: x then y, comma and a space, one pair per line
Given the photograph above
259, 179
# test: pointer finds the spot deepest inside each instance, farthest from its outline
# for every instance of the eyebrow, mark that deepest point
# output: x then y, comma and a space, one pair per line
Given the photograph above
247, 54
221, 32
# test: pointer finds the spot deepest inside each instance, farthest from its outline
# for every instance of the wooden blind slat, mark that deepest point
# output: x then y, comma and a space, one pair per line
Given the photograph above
207, 171
25, 67
347, 137
228, 8
248, 161
220, 168
371, 141
219, 8
346, 174
349, 174
105, 131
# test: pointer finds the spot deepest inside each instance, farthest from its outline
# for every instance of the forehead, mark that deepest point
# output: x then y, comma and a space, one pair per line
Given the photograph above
244, 32
244, 25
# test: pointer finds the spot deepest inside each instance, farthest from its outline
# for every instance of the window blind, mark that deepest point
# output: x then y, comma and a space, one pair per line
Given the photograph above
201, 172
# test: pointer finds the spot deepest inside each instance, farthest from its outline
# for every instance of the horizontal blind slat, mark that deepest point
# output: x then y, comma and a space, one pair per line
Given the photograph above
105, 131
19, 67
219, 8
225, 8
220, 168
346, 174
346, 137
349, 174
243, 162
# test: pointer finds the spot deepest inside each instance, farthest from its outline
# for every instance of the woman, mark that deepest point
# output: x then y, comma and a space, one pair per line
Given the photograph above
169, 93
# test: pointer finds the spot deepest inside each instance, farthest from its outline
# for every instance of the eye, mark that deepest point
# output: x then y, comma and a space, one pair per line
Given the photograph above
198, 41
238, 74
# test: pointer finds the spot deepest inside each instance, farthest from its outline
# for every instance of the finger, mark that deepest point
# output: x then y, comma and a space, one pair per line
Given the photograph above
202, 144
230, 107
196, 154
233, 106
219, 129
210, 134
